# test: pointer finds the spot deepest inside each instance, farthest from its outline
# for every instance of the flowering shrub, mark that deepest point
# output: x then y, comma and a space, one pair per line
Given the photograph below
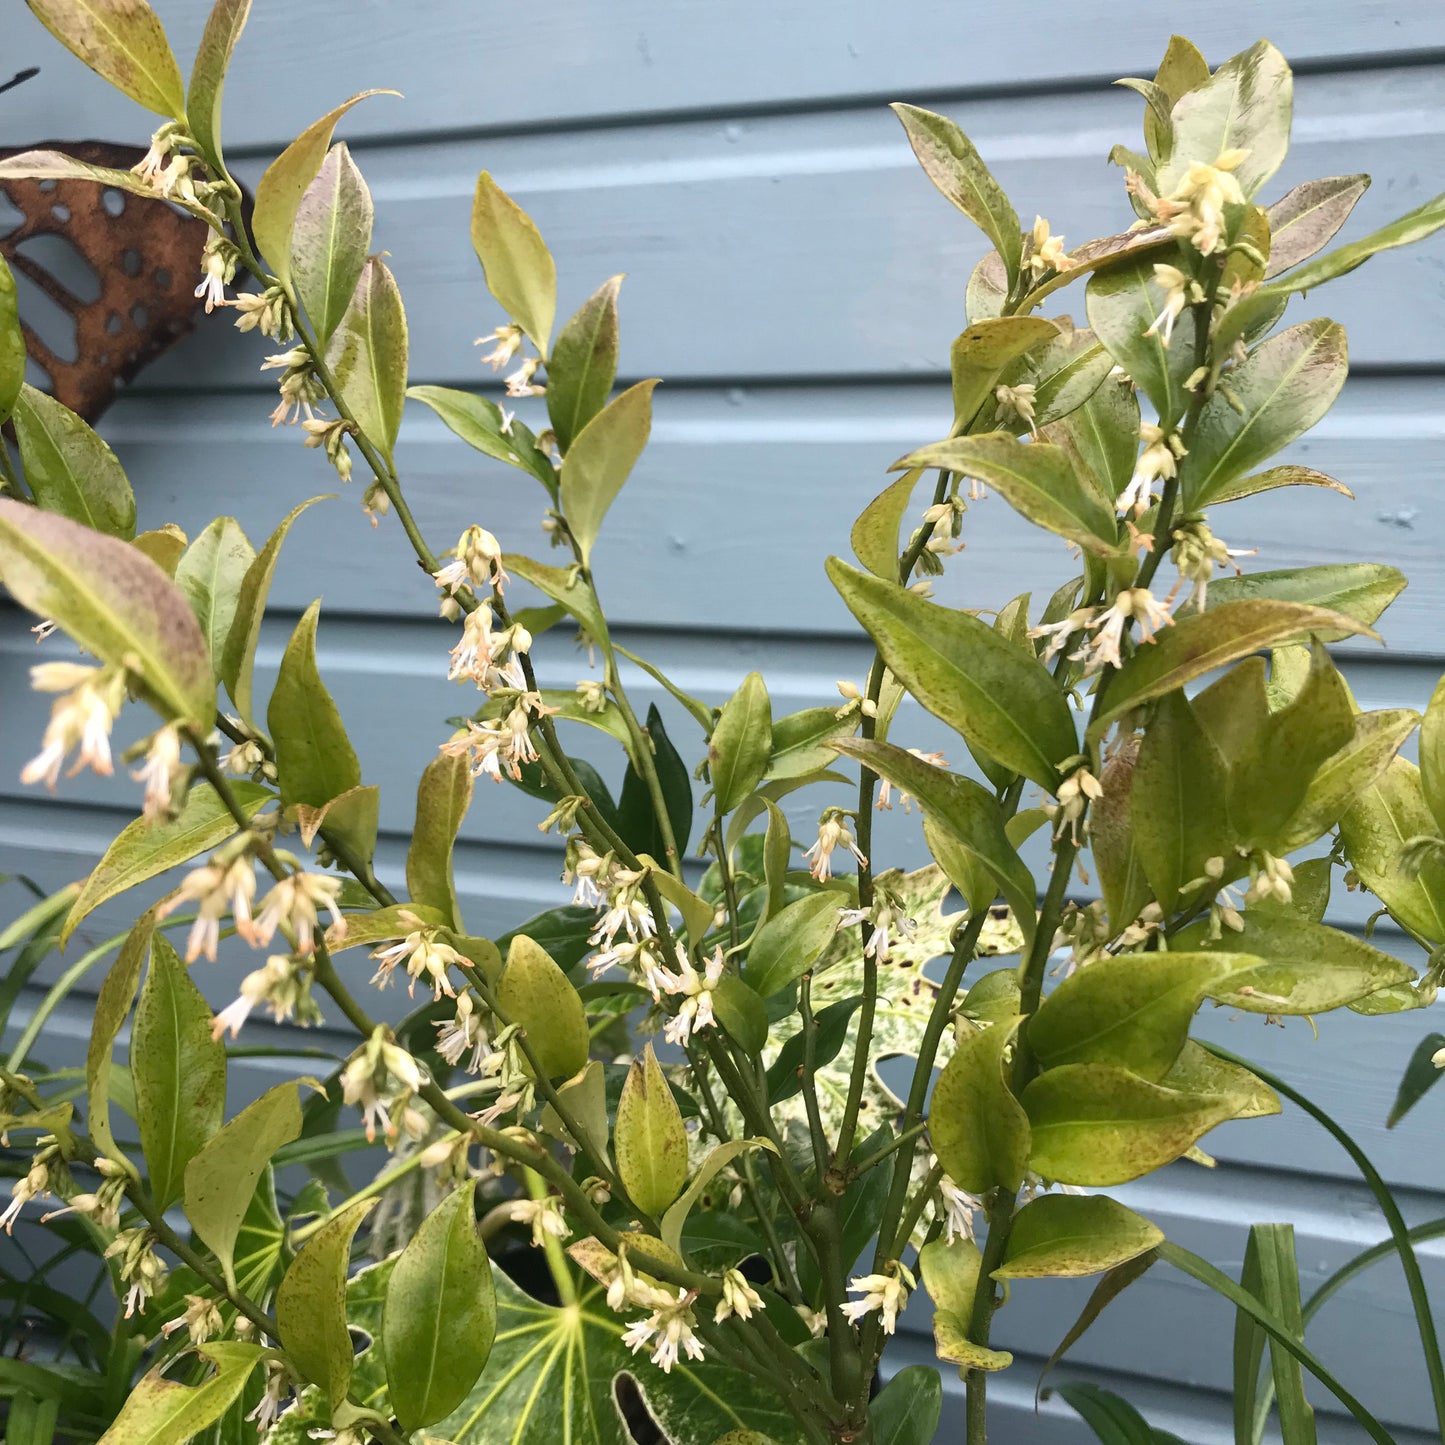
735, 1221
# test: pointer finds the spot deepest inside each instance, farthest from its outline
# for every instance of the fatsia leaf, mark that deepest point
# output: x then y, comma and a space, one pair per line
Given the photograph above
440, 1315
1304, 220
1281, 390
583, 364
518, 267
311, 1304
331, 239
179, 1072
951, 162
979, 1130
210, 573
600, 460
1065, 1236
999, 697
1199, 644
368, 355
553, 1374
123, 43
208, 76
237, 664
222, 1176
315, 761
442, 798
163, 1412
280, 190
69, 469
649, 1137
1098, 1124
1036, 479
969, 815
115, 602
145, 849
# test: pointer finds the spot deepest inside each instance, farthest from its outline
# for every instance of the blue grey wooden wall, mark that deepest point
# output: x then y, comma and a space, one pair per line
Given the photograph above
797, 282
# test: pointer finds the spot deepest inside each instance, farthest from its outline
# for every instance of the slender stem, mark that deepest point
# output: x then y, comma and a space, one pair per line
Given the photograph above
552, 1246
646, 759
898, 1141
806, 1081
8, 474
725, 872
999, 1207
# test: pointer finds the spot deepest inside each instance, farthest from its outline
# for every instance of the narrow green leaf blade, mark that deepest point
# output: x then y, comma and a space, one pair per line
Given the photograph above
442, 799
741, 743
368, 355
124, 42
583, 364
649, 1137
208, 76
518, 268
600, 460
70, 470
331, 239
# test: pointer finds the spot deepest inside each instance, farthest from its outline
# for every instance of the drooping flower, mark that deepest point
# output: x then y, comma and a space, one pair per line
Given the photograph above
738, 1298
1047, 250
833, 833
293, 903
696, 990
159, 772
80, 718
671, 1326
217, 888
886, 1293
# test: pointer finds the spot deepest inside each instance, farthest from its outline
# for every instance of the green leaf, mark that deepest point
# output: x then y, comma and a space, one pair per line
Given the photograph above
348, 822
697, 913
221, 1178
742, 1012
1108, 1289
440, 1316
953, 165
539, 998
951, 1343
978, 358
1276, 1328
143, 850
280, 190
718, 1158
1000, 698
479, 423
112, 600
1378, 823
1245, 105
112, 1005
368, 355
791, 942
1282, 389
442, 799
1307, 969
208, 76
210, 573
583, 364
162, 1412
1064, 374
874, 538
12, 343
1097, 1124
1132, 1010
1271, 1275
987, 289
330, 240
1306, 219
124, 42
1122, 303
1065, 1236
636, 820
1095, 255
70, 470
1178, 806
1199, 644
567, 587
1432, 755
907, 1409
979, 1130
802, 741
968, 817
383, 924
1198, 1071
1036, 479
311, 1304
649, 1137
1362, 590
600, 460
315, 761
179, 1072
238, 662
700, 712
1286, 476
1102, 437
785, 1072
1112, 1418
554, 1375
57, 166
1117, 855
519, 270
741, 743
1183, 69
1420, 1076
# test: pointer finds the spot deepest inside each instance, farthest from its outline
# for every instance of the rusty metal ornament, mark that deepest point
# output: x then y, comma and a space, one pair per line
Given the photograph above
145, 255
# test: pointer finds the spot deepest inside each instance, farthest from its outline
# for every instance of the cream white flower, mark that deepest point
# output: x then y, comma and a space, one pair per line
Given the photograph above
671, 1326
833, 833
159, 772
696, 989
1179, 292
201, 1320
738, 1298
217, 888
293, 904
1059, 633
1017, 401
424, 956
508, 341
885, 788
30, 1185
268, 1408
280, 985
544, 1216
959, 1208
886, 1293
521, 383
1132, 604
1194, 209
1158, 461
1269, 878
1075, 794
1047, 252
463, 1032
80, 718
